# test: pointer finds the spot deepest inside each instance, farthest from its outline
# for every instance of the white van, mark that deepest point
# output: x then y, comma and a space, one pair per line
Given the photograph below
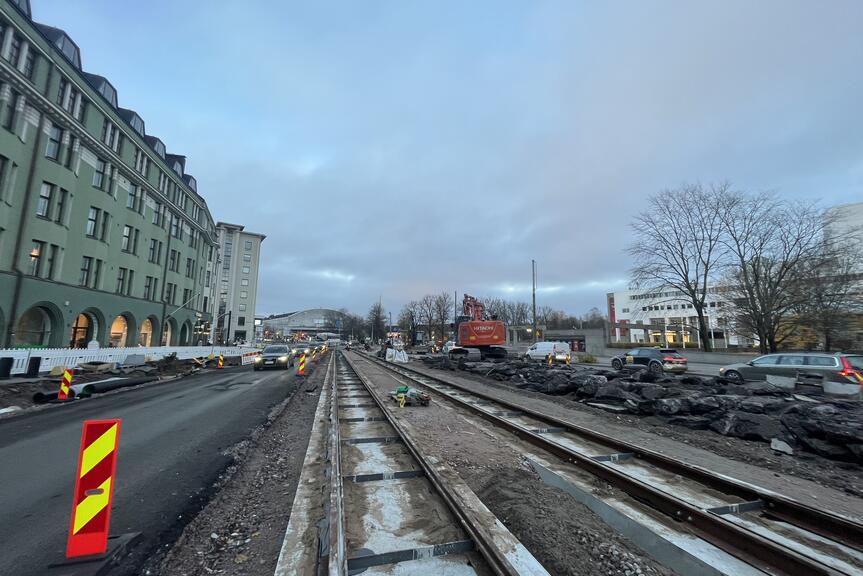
541, 351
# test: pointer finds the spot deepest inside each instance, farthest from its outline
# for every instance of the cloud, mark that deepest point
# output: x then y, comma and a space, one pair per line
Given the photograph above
390, 149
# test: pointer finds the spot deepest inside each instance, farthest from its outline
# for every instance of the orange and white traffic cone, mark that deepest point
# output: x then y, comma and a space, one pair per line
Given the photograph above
301, 371
65, 385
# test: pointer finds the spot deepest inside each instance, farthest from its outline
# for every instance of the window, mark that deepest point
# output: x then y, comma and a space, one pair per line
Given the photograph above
121, 281
110, 135
9, 112
157, 214
242, 307
46, 195
55, 139
821, 361
36, 256
4, 163
155, 254
92, 221
207, 283
241, 320
30, 63
187, 296
246, 269
99, 175
163, 182
244, 294
248, 244
170, 293
86, 269
135, 201
175, 226
769, 360
244, 282
62, 95
60, 215
52, 261
189, 267
788, 360
126, 245
15, 49
625, 310
149, 288
70, 152
141, 161
97, 274
174, 261
105, 218
247, 257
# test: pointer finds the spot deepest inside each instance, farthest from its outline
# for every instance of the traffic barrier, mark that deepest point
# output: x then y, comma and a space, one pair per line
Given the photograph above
301, 371
94, 488
221, 361
65, 384
314, 355
550, 360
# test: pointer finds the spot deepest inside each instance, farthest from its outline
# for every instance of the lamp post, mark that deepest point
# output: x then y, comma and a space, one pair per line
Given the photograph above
533, 276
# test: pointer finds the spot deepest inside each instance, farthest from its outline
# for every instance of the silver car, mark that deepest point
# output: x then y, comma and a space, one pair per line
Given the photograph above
806, 367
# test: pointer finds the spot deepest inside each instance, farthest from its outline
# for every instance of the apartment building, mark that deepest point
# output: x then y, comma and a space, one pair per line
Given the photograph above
240, 253
104, 237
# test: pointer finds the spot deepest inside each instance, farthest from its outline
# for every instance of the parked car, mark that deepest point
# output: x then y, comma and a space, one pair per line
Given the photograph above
449, 347
541, 351
656, 360
275, 356
806, 367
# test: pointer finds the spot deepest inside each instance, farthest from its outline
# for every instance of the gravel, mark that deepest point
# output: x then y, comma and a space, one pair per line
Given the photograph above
240, 531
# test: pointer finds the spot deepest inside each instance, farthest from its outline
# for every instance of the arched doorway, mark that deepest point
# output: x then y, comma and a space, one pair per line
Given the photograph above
34, 328
184, 334
119, 332
168, 332
86, 328
145, 334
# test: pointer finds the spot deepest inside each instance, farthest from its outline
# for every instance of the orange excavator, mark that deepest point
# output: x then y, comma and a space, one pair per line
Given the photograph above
477, 332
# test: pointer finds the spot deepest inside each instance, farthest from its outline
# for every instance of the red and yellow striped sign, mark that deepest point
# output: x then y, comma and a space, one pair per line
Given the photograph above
65, 384
302, 369
94, 488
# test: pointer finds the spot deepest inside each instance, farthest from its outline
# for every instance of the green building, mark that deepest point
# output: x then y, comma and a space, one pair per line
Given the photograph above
103, 235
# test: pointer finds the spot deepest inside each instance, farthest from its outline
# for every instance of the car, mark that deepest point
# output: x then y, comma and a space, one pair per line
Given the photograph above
813, 368
542, 351
275, 356
656, 360
449, 347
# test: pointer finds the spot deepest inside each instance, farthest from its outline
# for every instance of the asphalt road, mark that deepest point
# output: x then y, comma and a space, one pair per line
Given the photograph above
171, 451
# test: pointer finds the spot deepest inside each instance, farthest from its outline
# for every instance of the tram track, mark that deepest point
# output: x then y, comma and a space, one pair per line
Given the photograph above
766, 530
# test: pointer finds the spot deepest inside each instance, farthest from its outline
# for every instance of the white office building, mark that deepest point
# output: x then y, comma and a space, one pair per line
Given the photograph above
668, 318
237, 283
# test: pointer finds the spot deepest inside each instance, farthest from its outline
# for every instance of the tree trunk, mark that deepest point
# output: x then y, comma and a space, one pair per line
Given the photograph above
704, 332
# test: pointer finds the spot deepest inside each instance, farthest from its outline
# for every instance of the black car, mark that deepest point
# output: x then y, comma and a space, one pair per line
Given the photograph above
275, 356
656, 360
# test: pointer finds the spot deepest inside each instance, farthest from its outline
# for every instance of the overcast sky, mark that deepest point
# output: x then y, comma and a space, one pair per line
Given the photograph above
397, 148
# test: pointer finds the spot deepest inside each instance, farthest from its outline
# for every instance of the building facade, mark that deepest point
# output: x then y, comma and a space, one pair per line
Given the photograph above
307, 323
240, 254
104, 238
668, 318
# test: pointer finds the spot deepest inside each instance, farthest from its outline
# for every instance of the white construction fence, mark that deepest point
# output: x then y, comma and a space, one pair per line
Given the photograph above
71, 357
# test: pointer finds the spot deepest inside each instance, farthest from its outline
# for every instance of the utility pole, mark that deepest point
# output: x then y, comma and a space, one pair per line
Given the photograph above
533, 274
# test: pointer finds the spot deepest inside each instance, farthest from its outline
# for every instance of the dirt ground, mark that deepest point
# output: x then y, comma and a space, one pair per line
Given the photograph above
240, 531
564, 535
846, 477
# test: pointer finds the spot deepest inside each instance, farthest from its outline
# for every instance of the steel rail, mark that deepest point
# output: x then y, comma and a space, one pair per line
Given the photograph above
338, 557
738, 541
496, 560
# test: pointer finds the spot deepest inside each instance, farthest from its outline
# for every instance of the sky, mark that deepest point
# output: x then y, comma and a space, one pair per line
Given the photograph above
390, 149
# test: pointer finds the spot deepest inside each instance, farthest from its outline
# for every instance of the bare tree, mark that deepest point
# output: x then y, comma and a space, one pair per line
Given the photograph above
443, 304
409, 320
427, 313
776, 246
497, 308
678, 245
376, 322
